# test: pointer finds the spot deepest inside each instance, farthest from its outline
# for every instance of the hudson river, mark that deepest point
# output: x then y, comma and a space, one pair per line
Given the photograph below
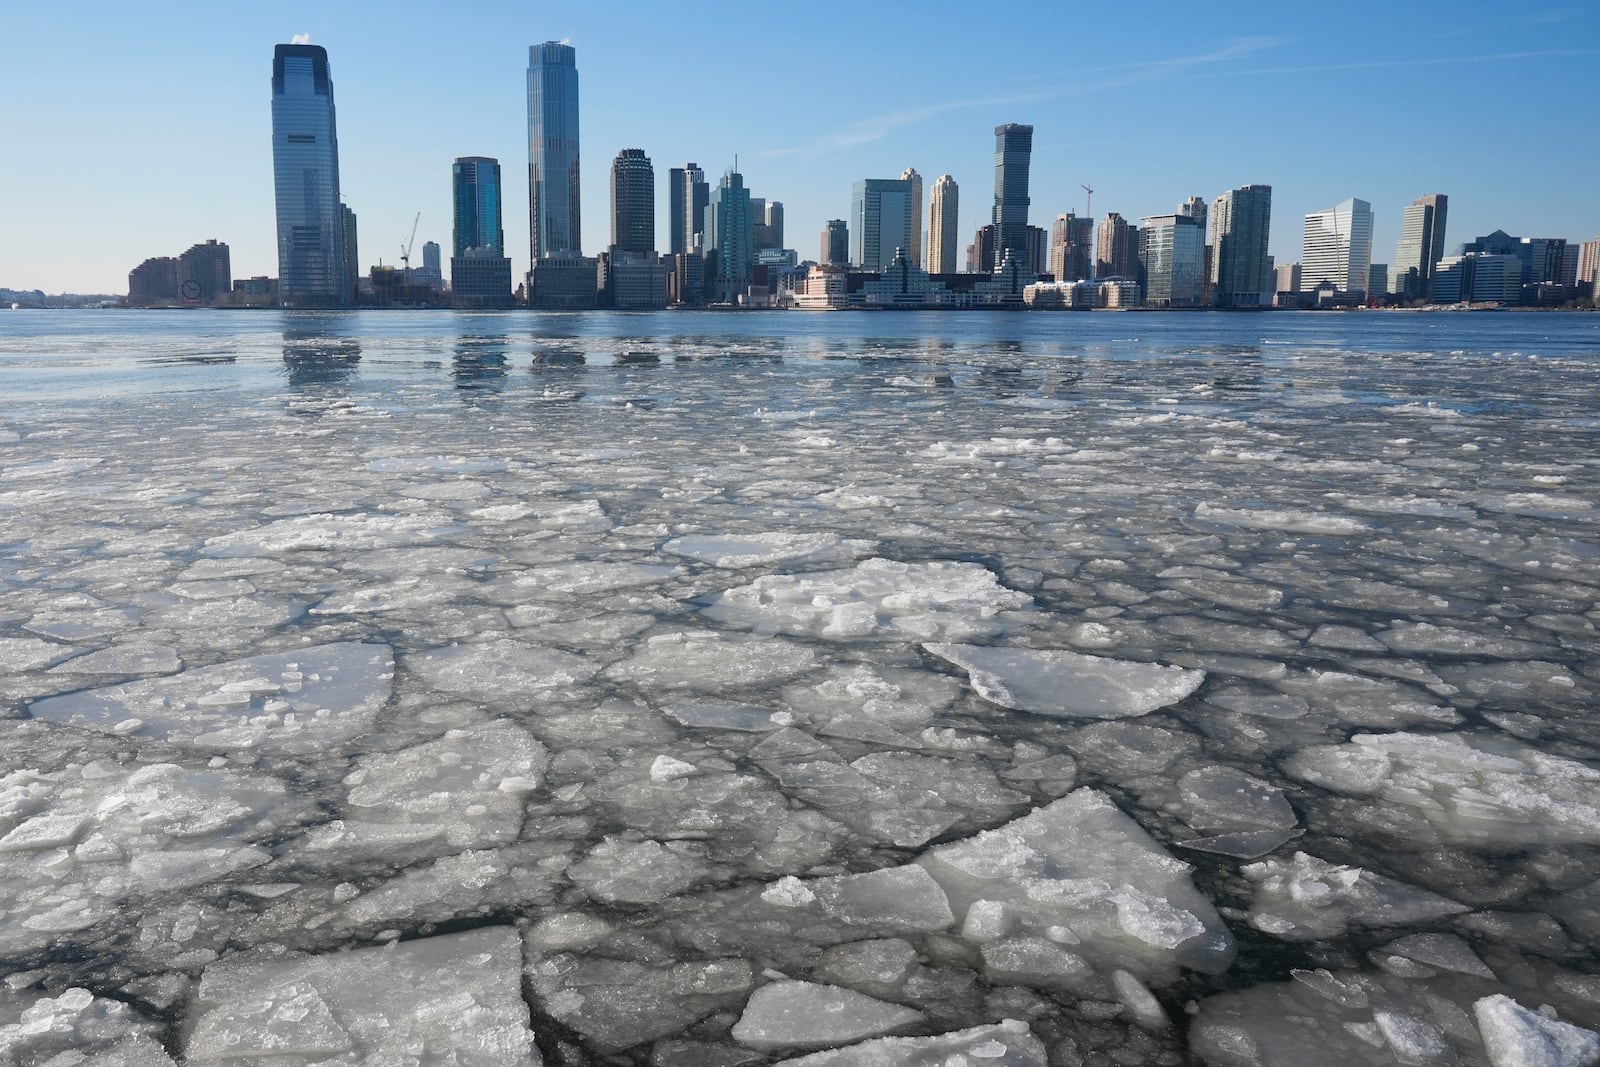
749, 688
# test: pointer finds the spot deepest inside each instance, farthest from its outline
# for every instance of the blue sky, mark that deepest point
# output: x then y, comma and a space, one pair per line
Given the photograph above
133, 130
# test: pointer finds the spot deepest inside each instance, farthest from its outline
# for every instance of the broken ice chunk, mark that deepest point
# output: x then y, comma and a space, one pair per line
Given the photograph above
467, 787
791, 1014
459, 996
617, 1004
1306, 898
878, 599
1066, 684
635, 872
293, 703
1005, 1044
1517, 1037
1082, 865
733, 551
1462, 789
500, 668
1225, 798
708, 662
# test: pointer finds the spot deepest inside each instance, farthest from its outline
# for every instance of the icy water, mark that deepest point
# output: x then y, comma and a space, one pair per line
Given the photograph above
857, 689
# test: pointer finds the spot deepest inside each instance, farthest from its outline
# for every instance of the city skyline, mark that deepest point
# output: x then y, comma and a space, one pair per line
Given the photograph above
401, 124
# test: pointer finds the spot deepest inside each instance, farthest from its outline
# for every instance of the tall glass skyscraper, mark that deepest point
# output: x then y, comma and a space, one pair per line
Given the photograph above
312, 268
554, 219
1013, 148
880, 221
1421, 246
1240, 221
476, 189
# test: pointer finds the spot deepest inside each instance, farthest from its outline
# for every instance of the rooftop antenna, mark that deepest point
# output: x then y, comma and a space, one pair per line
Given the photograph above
1088, 201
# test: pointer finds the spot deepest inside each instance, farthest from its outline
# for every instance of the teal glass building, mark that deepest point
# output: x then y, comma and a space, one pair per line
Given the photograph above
476, 191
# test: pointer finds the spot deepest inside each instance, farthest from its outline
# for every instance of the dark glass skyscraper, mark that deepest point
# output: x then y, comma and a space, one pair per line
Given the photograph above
554, 218
476, 189
312, 271
633, 202
1013, 148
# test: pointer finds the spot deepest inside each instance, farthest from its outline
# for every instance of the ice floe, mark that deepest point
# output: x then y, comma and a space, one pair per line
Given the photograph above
1067, 684
282, 704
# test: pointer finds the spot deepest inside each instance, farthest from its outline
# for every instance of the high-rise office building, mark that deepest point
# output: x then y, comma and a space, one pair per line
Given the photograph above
1420, 248
480, 270
1588, 268
1116, 248
477, 195
943, 210
982, 251
767, 223
1037, 261
633, 202
554, 216
1013, 148
1337, 248
880, 221
1240, 223
312, 271
733, 236
687, 197
914, 249
1171, 259
836, 243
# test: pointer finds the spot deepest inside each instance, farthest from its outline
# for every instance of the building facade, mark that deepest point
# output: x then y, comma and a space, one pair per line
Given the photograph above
1116, 248
880, 221
687, 197
1013, 151
914, 251
312, 269
734, 238
480, 271
1071, 248
633, 203
205, 273
1241, 273
555, 219
835, 243
476, 194
943, 211
1420, 248
1337, 249
1171, 260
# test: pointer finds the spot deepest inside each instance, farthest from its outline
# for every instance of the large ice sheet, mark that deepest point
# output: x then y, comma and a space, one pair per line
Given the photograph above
1069, 685
1004, 1044
284, 704
76, 1029
1459, 788
449, 1001
790, 1014
878, 599
79, 844
1077, 885
465, 790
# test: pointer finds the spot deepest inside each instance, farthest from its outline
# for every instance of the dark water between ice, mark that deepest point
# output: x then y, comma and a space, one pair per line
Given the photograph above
698, 688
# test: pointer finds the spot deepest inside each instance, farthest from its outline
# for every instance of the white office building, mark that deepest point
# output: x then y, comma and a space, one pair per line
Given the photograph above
1337, 249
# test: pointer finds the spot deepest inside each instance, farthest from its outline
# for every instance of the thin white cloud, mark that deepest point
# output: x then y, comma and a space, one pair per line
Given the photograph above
1419, 61
877, 127
300, 38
